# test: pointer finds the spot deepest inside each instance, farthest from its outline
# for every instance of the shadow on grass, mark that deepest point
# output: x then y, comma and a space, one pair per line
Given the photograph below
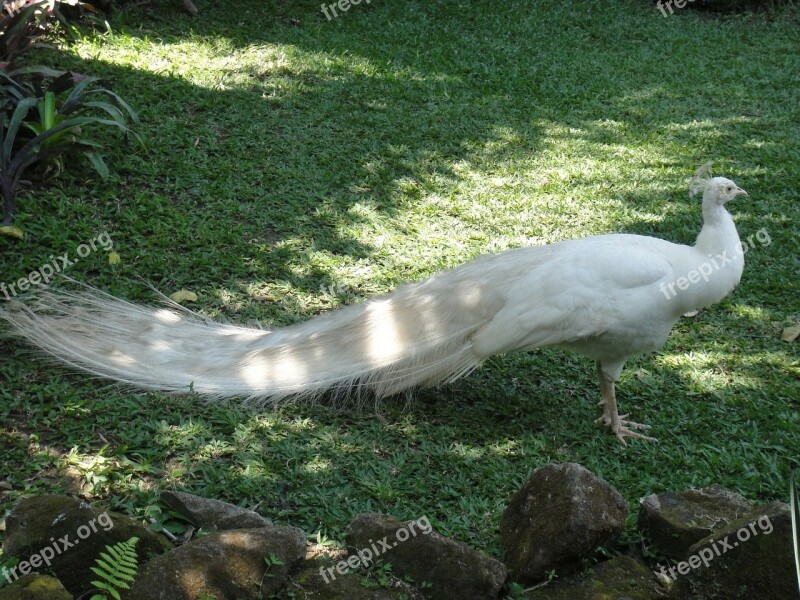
375, 112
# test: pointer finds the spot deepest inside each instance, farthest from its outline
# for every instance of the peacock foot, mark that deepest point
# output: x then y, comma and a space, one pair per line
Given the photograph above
623, 428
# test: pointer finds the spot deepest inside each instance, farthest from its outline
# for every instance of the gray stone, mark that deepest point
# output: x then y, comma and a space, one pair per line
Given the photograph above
69, 534
208, 513
559, 517
674, 521
453, 569
750, 558
222, 565
314, 582
621, 578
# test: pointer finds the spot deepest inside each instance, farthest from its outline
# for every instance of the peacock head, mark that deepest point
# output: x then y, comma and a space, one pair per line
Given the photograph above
721, 190
715, 190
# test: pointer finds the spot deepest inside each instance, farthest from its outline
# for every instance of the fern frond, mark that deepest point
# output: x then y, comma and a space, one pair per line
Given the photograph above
116, 567
794, 497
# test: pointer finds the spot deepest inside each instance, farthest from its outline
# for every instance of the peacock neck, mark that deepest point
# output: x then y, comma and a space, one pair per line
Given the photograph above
718, 232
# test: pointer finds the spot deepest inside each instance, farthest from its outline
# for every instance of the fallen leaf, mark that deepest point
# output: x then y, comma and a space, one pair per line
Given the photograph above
114, 258
790, 334
183, 296
12, 231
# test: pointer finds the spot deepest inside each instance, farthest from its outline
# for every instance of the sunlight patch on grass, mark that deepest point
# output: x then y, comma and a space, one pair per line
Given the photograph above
292, 167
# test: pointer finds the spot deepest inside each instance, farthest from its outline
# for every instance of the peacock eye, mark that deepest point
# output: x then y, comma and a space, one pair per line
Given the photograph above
730, 188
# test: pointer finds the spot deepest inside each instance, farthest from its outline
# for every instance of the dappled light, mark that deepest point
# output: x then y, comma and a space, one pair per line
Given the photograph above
296, 170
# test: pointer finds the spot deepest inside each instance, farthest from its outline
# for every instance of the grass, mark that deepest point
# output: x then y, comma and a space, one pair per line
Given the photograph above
295, 164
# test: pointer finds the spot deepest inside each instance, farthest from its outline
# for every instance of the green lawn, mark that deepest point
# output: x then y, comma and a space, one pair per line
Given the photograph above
294, 164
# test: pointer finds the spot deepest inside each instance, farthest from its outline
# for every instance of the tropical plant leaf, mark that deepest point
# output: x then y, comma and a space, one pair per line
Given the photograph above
19, 30
10, 134
112, 110
40, 71
116, 97
98, 163
59, 128
73, 100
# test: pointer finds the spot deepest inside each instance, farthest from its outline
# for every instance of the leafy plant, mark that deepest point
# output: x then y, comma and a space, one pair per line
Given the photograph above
795, 506
17, 29
116, 569
63, 109
271, 561
380, 575
22, 22
6, 564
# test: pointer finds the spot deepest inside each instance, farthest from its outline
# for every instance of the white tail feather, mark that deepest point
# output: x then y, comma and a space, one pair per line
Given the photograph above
417, 336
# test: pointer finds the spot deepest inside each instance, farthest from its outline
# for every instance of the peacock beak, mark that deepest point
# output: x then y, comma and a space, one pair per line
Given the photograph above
740, 192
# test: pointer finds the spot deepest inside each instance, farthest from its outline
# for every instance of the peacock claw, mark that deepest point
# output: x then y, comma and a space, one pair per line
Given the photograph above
632, 423
622, 428
622, 431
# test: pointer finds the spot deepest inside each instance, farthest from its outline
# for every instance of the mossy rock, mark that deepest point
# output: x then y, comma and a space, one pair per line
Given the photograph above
227, 564
35, 587
453, 570
618, 578
316, 581
674, 521
750, 558
64, 535
208, 513
557, 520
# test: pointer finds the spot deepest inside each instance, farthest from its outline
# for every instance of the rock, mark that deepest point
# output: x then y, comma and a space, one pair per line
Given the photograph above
674, 521
66, 535
213, 514
415, 550
226, 564
314, 582
622, 578
559, 517
750, 558
35, 587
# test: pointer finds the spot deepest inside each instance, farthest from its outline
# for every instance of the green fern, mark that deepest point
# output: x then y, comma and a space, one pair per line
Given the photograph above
795, 504
115, 568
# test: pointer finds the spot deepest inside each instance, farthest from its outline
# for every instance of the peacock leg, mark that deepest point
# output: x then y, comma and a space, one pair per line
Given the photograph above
611, 418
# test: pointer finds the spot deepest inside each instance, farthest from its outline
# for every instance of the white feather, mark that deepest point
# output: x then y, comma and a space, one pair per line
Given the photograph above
602, 296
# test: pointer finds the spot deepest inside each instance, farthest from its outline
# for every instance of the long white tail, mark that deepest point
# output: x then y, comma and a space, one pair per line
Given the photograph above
416, 336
